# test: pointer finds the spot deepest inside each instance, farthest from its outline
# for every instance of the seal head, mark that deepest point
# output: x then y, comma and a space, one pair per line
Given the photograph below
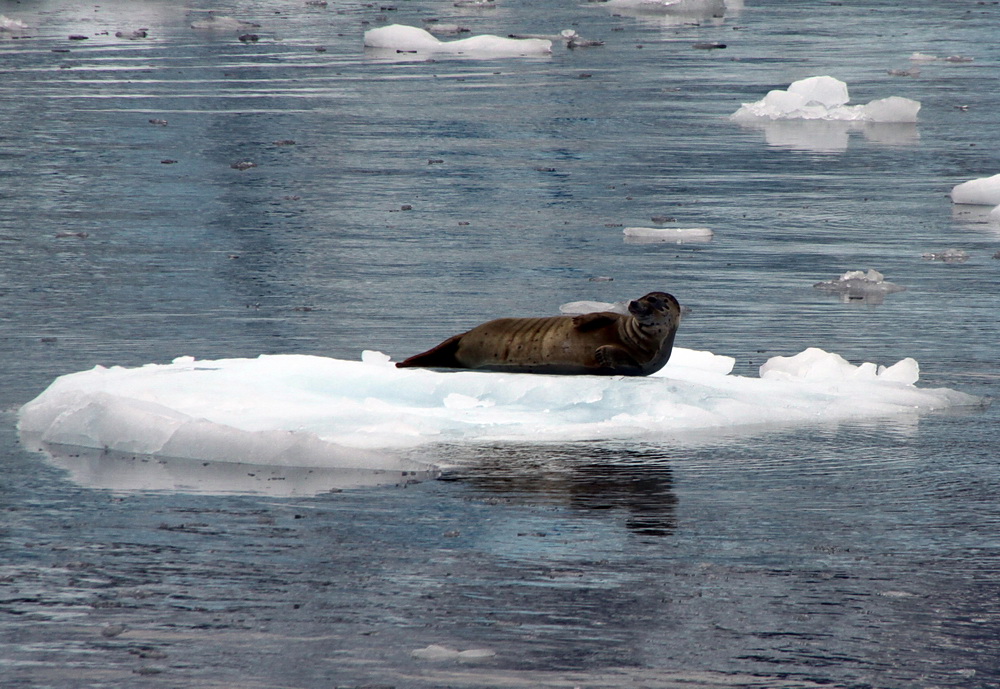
602, 343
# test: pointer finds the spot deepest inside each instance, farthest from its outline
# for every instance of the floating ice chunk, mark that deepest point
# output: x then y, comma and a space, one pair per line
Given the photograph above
677, 235
575, 308
436, 653
409, 39
825, 98
814, 364
307, 411
858, 284
984, 191
217, 22
891, 109
923, 57
948, 256
12, 26
855, 285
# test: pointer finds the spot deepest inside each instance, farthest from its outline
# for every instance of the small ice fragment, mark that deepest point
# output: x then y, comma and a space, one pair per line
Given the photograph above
435, 652
374, 358
825, 98
892, 109
409, 39
958, 58
860, 285
948, 256
438, 653
983, 191
922, 57
575, 308
13, 26
677, 235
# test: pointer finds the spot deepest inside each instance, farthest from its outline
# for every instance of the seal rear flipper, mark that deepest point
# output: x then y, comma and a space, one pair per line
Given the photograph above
442, 356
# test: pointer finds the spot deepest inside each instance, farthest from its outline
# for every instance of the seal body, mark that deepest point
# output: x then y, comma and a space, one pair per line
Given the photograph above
602, 343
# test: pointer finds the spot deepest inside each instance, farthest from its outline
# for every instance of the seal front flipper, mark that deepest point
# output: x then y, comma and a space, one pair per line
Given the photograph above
618, 360
442, 356
587, 322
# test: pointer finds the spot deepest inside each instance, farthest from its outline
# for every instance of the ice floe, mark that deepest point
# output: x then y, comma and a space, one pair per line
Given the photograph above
438, 653
825, 98
398, 38
12, 26
948, 256
983, 191
288, 411
869, 286
676, 235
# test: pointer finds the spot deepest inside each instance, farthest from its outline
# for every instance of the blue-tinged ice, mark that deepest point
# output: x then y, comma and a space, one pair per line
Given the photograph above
298, 410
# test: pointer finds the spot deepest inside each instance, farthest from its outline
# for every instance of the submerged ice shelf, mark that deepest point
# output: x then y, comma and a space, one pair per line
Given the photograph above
298, 410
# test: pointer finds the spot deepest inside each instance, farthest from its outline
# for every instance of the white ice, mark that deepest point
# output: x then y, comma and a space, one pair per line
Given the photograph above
825, 98
410, 39
310, 411
12, 26
438, 653
983, 191
677, 235
869, 285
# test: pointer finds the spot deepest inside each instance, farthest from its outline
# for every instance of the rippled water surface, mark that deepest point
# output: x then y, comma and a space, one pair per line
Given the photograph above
421, 196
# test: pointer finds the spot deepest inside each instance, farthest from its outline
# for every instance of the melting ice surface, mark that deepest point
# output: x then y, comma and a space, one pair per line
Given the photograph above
309, 411
825, 98
410, 39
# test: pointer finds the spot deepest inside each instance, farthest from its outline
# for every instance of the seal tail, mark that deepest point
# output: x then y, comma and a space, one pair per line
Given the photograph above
442, 356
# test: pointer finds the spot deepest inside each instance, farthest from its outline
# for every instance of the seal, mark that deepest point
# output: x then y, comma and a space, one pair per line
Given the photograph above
602, 343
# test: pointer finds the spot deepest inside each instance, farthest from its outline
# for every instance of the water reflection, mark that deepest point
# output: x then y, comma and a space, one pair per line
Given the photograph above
581, 477
127, 472
670, 14
832, 136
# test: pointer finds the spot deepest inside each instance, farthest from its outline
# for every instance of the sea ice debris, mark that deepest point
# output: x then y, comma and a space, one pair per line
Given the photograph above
825, 98
983, 191
13, 26
400, 38
859, 284
677, 235
948, 256
438, 653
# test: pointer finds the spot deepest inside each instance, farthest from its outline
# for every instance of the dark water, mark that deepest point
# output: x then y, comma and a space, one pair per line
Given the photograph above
857, 555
